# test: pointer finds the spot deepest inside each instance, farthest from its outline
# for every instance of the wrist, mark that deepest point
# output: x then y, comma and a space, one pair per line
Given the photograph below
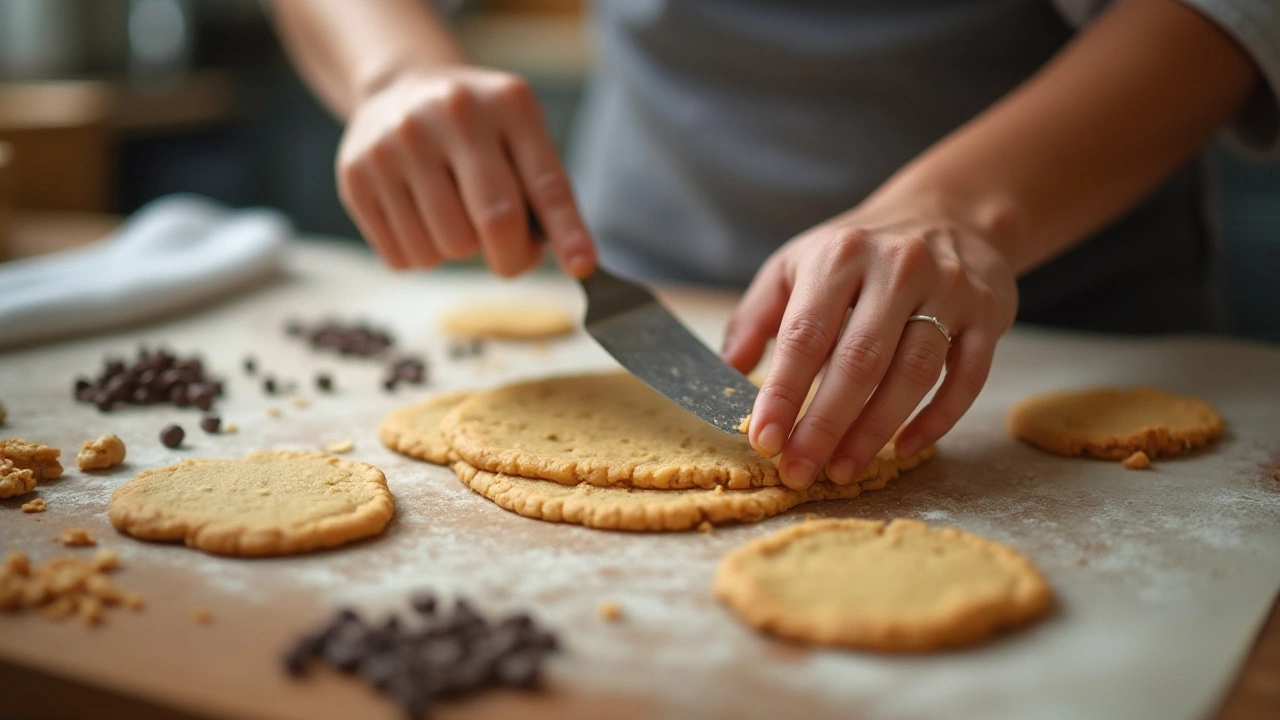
377, 74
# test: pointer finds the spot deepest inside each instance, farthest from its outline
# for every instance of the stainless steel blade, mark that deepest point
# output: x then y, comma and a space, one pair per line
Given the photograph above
633, 327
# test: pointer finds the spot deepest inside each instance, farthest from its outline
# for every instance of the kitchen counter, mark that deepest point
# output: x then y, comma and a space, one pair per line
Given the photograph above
1162, 577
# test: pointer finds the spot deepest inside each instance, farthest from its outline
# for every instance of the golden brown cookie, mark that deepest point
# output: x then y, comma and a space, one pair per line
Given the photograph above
1114, 424
415, 430
509, 322
653, 510
14, 480
100, 454
36, 457
266, 503
608, 429
897, 587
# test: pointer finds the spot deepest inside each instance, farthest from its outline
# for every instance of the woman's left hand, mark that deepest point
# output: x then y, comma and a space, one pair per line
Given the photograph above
839, 296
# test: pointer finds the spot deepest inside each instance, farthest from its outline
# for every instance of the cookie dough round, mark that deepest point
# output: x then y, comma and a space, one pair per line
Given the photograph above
643, 509
608, 429
415, 430
897, 587
509, 322
1114, 424
267, 503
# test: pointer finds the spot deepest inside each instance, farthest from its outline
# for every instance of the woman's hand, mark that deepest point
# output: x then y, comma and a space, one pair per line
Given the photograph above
438, 165
839, 296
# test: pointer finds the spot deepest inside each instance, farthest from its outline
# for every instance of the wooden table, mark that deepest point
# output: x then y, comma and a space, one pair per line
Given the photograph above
677, 652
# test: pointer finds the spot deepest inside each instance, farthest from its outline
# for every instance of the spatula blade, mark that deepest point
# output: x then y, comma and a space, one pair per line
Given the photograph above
632, 326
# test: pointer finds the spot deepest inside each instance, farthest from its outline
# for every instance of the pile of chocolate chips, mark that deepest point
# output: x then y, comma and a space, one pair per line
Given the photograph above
410, 369
443, 655
154, 378
358, 339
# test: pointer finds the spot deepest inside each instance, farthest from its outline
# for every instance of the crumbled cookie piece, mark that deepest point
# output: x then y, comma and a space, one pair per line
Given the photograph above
14, 480
76, 537
132, 600
301, 402
705, 526
105, 452
273, 411
610, 611
63, 587
340, 446
36, 457
1137, 461
35, 506
201, 615
230, 428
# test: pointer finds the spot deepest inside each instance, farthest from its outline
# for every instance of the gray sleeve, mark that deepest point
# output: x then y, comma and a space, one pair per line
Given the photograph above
1255, 25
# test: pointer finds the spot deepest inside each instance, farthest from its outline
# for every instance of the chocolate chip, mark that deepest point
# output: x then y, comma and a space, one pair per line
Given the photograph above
269, 385
294, 328
172, 436
324, 382
519, 669
250, 366
389, 384
178, 396
424, 602
104, 402
210, 423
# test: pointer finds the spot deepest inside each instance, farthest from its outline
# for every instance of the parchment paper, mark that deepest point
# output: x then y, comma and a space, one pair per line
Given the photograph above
1162, 577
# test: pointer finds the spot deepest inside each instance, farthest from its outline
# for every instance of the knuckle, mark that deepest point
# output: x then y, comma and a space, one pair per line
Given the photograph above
496, 216
861, 357
823, 429
516, 90
848, 244
456, 103
913, 254
804, 337
550, 188
781, 395
951, 276
969, 376
921, 364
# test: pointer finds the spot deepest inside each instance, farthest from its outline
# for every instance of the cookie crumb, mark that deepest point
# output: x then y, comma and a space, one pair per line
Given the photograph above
230, 428
273, 411
90, 611
17, 563
40, 459
340, 446
719, 490
609, 611
1137, 461
76, 537
706, 527
745, 425
106, 560
35, 506
301, 402
133, 601
100, 454
62, 587
15, 480
201, 615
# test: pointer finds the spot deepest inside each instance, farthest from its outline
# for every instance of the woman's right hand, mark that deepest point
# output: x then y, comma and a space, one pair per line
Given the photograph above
438, 165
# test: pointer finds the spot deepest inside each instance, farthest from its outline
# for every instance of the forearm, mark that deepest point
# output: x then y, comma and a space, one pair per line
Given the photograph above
348, 50
1132, 98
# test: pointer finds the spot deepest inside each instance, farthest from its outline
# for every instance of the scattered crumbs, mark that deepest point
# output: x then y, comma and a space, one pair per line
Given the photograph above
63, 587
745, 425
705, 526
301, 402
201, 615
230, 428
106, 560
338, 447
273, 411
1137, 461
35, 506
609, 611
133, 601
730, 392
76, 537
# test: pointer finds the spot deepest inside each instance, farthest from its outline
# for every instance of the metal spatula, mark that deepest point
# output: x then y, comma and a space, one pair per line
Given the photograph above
630, 323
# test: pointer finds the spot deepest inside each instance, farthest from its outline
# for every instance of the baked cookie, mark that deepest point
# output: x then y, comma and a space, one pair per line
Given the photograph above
100, 454
509, 322
37, 457
14, 480
643, 509
896, 587
608, 429
415, 430
267, 503
1115, 424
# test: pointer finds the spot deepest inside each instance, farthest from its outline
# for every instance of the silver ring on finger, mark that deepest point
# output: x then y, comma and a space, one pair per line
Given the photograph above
946, 334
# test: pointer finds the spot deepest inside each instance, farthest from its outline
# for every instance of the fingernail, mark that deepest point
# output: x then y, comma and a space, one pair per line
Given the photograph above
579, 264
840, 471
798, 473
770, 440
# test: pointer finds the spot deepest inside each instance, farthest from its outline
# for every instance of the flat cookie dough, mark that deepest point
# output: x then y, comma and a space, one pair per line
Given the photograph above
900, 587
274, 502
642, 509
608, 429
415, 430
509, 322
1114, 424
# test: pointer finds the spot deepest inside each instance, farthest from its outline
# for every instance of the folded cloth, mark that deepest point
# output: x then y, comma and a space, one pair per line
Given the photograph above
176, 252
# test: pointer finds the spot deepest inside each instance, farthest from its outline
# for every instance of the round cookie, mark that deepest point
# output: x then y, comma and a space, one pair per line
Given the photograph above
509, 322
1114, 424
608, 429
897, 587
415, 430
267, 503
642, 509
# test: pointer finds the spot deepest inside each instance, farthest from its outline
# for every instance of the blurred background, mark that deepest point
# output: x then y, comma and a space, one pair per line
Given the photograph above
108, 104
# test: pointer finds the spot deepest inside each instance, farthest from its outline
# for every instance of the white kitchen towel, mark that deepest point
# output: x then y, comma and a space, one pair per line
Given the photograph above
177, 252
